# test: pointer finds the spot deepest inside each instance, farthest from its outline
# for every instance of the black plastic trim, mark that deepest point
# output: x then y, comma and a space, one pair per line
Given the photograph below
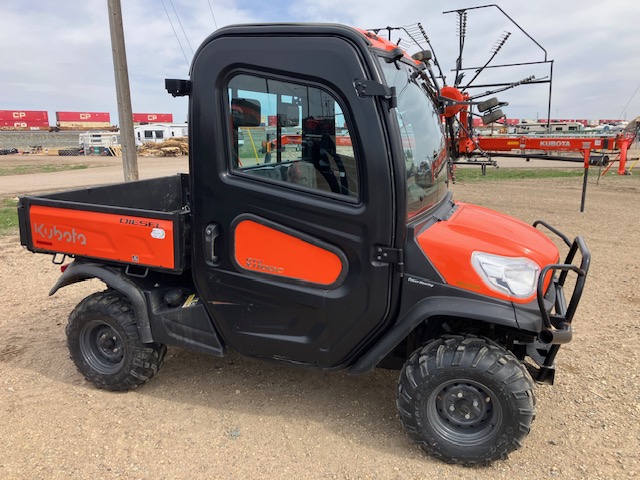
78, 271
439, 305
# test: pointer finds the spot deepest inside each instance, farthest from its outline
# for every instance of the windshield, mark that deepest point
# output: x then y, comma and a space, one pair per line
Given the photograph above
422, 139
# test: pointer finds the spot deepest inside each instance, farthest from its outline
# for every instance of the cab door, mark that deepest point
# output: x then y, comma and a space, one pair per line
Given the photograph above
287, 224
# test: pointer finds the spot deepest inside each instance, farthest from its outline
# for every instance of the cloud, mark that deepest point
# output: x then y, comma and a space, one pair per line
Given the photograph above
56, 56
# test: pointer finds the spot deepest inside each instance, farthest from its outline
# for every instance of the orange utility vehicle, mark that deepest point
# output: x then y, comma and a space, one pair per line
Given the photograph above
346, 256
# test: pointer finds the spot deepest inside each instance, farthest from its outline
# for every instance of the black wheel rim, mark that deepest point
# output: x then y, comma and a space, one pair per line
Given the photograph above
102, 347
464, 412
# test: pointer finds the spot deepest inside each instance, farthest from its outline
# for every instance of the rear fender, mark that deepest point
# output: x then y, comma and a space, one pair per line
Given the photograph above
472, 309
78, 271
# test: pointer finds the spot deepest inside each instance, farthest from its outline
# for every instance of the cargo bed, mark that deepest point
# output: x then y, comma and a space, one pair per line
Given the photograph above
142, 223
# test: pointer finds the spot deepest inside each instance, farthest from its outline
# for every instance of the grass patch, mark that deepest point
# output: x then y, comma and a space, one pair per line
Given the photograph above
474, 174
8, 216
27, 169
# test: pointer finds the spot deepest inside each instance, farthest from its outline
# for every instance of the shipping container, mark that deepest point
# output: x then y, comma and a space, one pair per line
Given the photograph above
24, 125
152, 118
40, 116
83, 117
82, 125
22, 128
477, 122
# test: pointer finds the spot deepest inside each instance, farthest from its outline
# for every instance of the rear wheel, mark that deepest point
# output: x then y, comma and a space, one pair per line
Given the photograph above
465, 400
104, 343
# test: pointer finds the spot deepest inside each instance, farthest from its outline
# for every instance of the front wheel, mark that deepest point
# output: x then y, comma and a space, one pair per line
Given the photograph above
465, 400
103, 340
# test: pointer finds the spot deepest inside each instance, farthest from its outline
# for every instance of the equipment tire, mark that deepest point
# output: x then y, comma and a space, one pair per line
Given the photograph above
465, 400
488, 104
492, 117
105, 345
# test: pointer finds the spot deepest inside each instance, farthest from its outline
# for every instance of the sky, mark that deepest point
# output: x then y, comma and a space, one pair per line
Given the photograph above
56, 56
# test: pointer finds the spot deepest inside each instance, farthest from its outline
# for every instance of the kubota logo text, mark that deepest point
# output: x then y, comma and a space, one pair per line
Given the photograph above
59, 234
555, 143
256, 264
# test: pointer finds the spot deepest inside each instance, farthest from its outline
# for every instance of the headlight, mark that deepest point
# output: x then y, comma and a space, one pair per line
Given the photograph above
514, 276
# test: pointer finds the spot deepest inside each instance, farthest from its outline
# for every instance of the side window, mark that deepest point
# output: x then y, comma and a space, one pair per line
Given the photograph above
148, 134
292, 134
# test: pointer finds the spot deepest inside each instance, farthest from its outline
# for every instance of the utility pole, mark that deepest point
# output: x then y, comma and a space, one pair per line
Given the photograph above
125, 117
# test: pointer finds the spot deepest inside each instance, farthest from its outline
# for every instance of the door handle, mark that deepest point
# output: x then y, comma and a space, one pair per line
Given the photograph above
211, 234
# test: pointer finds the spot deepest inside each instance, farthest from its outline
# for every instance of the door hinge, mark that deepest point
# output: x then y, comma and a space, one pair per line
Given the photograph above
389, 255
371, 88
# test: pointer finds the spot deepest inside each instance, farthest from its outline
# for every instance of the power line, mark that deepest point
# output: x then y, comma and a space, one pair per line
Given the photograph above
183, 32
174, 32
212, 15
625, 107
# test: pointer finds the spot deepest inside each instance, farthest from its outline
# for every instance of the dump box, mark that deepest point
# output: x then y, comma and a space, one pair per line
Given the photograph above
141, 223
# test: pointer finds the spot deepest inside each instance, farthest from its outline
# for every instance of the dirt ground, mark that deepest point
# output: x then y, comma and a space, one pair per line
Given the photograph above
236, 418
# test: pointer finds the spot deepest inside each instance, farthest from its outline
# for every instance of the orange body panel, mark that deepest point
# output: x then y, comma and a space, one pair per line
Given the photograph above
454, 94
266, 250
449, 244
383, 44
143, 241
564, 143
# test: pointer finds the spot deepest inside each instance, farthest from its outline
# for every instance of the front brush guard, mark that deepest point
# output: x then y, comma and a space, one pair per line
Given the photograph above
557, 326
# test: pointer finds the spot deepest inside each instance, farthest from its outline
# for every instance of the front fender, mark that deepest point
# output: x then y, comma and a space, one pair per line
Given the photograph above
470, 308
79, 271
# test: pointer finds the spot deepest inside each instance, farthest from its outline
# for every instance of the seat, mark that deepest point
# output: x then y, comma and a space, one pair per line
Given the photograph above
266, 172
302, 173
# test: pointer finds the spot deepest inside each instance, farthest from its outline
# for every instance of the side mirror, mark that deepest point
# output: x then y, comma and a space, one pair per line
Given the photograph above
288, 115
245, 112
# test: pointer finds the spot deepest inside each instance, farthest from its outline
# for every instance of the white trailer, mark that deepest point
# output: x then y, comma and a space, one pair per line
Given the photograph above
159, 132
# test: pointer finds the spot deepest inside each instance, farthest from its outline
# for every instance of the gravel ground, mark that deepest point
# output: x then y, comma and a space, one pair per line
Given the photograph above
205, 417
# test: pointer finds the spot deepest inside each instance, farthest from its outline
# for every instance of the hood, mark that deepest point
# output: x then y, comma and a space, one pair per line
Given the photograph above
448, 244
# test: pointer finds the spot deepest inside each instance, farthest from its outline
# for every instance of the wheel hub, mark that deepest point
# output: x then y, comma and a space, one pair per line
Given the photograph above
109, 345
464, 412
102, 347
464, 405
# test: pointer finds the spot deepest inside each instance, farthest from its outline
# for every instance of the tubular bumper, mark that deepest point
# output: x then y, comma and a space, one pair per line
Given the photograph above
557, 325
